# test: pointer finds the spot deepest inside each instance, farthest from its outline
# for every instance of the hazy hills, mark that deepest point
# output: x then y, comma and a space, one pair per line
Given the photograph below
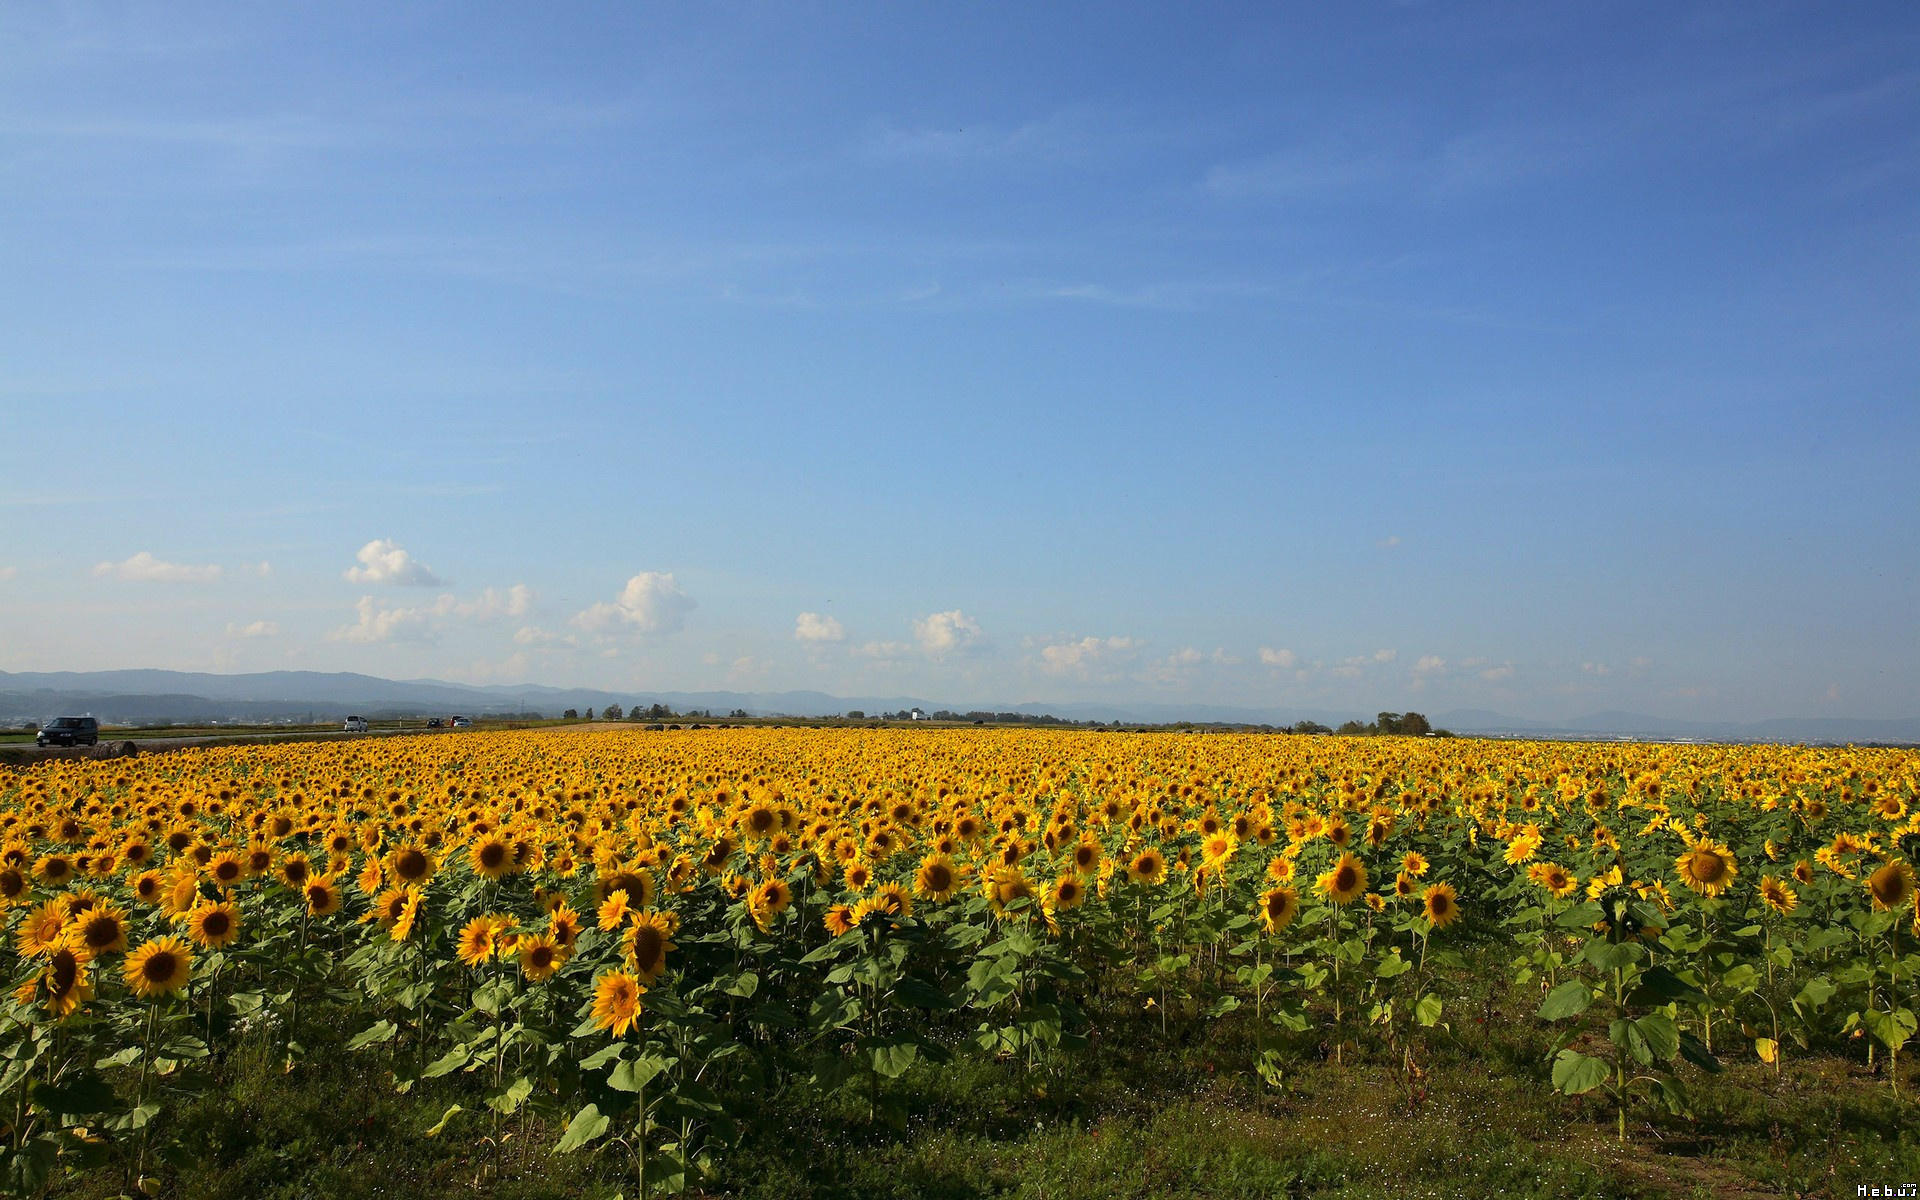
149, 696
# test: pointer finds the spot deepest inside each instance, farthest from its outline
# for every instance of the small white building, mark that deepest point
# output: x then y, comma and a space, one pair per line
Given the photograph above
916, 715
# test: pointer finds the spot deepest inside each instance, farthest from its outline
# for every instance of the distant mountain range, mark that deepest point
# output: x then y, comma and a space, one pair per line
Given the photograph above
159, 697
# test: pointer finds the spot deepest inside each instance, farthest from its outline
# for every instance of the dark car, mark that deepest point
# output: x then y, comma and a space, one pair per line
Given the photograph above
69, 731
433, 722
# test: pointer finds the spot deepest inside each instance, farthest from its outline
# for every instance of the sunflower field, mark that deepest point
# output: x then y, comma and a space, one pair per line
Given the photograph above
629, 939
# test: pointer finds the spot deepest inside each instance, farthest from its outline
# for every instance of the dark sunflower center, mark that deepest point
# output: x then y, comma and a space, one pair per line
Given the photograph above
647, 946
492, 855
1344, 879
215, 924
160, 966
65, 973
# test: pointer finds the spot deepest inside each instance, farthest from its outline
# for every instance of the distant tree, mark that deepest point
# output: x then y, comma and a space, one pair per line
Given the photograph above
1410, 724
855, 714
572, 714
612, 712
658, 711
1351, 729
738, 714
589, 714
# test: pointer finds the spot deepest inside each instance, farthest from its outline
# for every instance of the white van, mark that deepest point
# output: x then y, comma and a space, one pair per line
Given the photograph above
356, 725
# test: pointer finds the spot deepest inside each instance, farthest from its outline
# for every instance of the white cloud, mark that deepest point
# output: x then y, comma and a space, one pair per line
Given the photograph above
516, 601
650, 603
1596, 668
1283, 659
1186, 656
258, 629
1082, 654
533, 635
1385, 656
1430, 664
383, 561
145, 568
423, 623
943, 633
884, 651
377, 624
1496, 674
813, 627
1388, 543
263, 568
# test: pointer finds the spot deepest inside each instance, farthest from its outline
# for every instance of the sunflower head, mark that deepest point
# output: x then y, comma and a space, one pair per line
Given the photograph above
1442, 905
616, 1002
1778, 895
1707, 867
646, 944
159, 968
1278, 907
1891, 886
1344, 881
541, 956
65, 978
213, 926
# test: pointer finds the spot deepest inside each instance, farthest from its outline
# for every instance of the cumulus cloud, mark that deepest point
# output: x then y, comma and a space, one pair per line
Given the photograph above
145, 568
1283, 659
258, 629
883, 651
651, 603
422, 623
384, 562
813, 627
533, 635
1430, 664
1084, 653
1497, 674
944, 633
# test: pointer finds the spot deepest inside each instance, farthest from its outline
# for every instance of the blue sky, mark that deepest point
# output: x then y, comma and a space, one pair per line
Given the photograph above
1538, 358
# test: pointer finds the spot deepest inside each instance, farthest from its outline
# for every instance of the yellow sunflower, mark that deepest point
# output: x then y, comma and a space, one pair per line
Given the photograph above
66, 979
1779, 896
1891, 886
616, 1002
1442, 905
1707, 867
42, 931
323, 896
646, 943
213, 926
477, 939
1344, 881
102, 929
541, 956
491, 857
1278, 907
937, 879
1148, 867
159, 967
